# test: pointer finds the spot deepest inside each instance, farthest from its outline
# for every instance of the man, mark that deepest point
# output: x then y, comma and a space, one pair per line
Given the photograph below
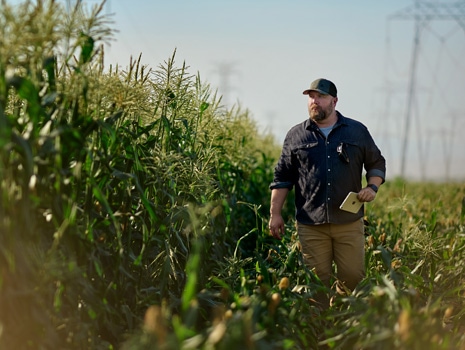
323, 159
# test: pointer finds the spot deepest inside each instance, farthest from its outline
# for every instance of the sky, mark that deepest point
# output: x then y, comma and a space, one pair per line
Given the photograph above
273, 49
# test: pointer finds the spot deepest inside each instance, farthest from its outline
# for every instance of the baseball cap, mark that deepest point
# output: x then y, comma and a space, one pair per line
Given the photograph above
323, 86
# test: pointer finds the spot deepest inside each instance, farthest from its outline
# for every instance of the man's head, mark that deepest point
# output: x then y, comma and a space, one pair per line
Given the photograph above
322, 99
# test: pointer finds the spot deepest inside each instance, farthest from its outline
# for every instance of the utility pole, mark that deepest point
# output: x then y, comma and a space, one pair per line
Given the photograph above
421, 13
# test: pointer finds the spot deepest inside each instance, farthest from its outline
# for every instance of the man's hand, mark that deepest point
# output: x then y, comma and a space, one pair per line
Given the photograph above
366, 194
276, 226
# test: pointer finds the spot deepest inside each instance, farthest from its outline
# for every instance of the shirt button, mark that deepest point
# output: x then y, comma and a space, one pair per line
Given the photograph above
329, 169
329, 183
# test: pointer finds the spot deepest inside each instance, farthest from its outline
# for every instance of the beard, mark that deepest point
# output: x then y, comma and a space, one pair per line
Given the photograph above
318, 114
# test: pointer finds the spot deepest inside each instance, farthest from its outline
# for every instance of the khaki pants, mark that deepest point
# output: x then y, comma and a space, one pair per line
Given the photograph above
342, 243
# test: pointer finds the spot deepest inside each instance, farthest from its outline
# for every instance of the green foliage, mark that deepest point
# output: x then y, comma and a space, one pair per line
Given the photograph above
109, 179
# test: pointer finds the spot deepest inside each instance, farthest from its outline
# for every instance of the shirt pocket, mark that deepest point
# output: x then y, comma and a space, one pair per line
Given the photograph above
352, 151
306, 153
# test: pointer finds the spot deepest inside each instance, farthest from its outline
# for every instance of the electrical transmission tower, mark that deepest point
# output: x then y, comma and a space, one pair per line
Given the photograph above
225, 71
422, 12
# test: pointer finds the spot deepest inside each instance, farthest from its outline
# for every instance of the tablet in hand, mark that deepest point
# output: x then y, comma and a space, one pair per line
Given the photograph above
351, 203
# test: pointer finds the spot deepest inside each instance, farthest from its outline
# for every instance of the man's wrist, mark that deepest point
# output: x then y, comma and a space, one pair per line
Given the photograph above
373, 187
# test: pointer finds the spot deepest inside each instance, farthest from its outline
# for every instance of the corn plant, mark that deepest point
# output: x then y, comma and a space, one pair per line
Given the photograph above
100, 171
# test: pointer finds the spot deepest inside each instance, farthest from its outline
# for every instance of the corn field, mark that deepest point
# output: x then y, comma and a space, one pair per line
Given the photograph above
134, 210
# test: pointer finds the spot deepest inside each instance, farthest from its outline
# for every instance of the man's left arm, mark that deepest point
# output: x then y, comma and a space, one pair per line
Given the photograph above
375, 166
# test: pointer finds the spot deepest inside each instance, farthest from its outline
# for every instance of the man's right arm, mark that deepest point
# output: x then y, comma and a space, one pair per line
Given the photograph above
276, 225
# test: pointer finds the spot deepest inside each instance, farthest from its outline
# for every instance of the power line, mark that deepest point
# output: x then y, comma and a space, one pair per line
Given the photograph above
422, 12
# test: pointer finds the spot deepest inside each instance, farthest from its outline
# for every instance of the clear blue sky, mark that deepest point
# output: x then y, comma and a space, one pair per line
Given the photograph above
275, 48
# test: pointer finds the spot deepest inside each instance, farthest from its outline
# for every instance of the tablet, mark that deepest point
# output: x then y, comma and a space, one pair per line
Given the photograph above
351, 203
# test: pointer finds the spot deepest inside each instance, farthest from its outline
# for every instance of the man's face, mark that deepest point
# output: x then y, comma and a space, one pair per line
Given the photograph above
320, 106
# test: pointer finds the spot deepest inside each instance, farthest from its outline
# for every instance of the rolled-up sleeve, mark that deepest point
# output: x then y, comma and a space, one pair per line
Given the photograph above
375, 163
376, 172
275, 185
284, 171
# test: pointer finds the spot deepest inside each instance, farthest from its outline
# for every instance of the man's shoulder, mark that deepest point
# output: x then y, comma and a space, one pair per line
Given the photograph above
303, 124
299, 128
351, 122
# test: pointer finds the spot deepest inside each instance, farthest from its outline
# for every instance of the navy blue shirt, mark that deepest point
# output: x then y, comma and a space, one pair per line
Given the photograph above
323, 170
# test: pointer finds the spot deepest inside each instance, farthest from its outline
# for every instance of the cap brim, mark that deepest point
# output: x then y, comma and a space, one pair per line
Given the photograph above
306, 92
